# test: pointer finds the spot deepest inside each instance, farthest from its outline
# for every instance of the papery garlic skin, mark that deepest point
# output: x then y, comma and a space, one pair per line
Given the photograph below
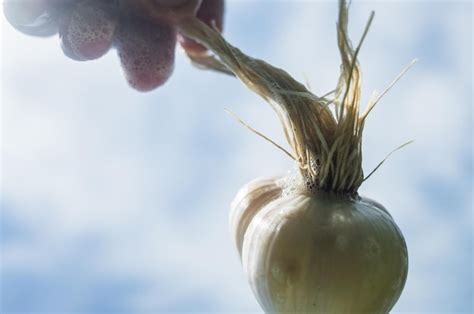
323, 254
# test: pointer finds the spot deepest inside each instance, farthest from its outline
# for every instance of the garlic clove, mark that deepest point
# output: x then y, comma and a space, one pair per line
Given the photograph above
248, 202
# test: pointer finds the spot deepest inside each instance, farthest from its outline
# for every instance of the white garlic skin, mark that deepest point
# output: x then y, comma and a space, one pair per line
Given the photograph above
323, 254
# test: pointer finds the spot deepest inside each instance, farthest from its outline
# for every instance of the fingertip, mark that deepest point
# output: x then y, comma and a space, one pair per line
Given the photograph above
168, 11
66, 47
146, 81
191, 46
146, 52
24, 13
31, 17
211, 12
87, 30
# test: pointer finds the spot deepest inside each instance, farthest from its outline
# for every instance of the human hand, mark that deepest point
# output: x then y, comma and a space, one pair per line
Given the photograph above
143, 31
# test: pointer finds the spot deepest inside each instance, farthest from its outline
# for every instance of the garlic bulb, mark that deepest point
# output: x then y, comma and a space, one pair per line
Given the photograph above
320, 253
309, 243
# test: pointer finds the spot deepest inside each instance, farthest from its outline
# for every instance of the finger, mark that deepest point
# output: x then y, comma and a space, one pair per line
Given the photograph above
211, 12
31, 17
146, 52
167, 11
174, 10
87, 30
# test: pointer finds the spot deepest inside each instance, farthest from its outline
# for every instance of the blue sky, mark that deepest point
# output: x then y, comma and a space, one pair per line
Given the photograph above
117, 201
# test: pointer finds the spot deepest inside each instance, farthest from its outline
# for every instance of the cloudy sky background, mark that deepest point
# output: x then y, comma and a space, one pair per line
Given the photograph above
117, 201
